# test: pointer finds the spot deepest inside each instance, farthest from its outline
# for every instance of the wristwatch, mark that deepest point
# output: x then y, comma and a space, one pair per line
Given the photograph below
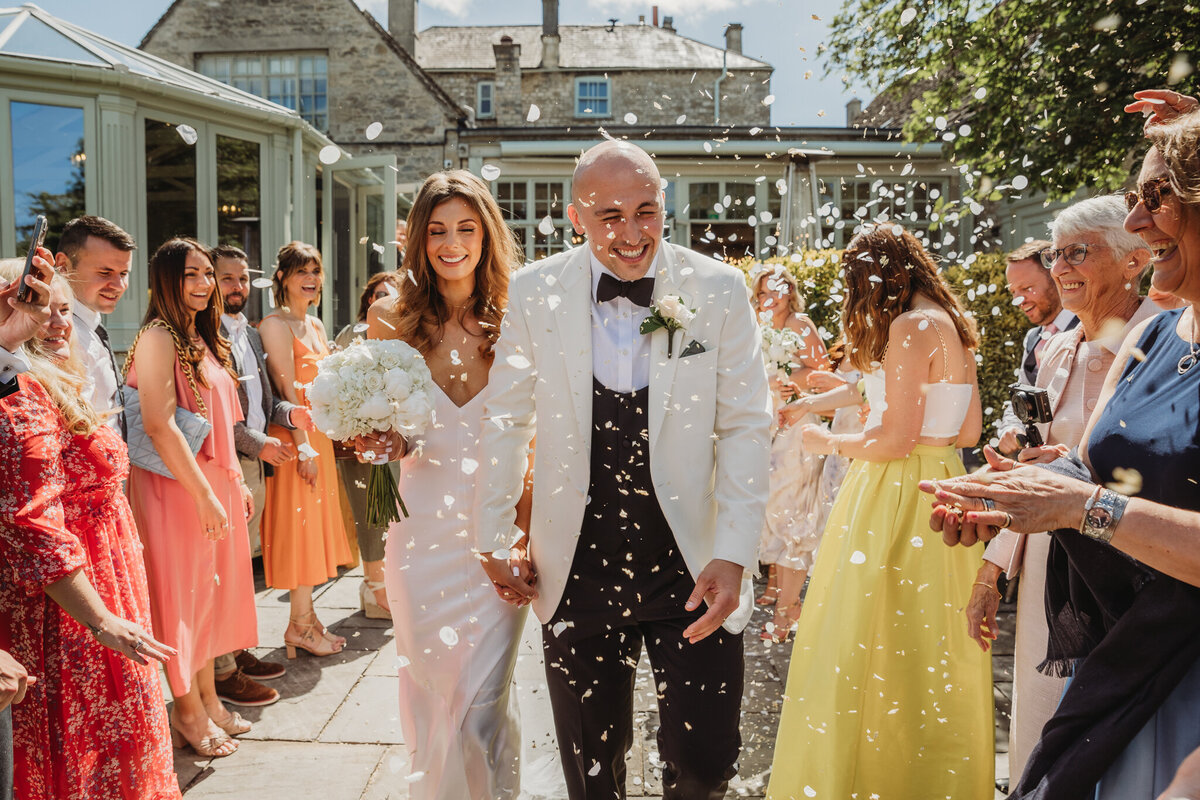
1101, 515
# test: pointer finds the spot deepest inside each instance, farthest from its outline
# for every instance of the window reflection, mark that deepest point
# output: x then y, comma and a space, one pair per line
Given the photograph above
48, 160
170, 184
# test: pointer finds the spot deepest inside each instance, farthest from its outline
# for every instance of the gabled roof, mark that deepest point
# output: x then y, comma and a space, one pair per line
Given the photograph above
424, 77
30, 32
583, 47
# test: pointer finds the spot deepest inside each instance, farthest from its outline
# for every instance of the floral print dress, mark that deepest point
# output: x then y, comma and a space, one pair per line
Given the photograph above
94, 725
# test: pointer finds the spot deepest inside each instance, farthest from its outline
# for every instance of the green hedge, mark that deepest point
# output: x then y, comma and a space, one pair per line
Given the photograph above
980, 284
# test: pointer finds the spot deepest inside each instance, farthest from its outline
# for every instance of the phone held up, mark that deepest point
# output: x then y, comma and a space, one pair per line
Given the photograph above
35, 241
1032, 406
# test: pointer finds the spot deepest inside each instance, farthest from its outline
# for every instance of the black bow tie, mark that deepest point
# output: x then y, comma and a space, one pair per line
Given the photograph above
640, 291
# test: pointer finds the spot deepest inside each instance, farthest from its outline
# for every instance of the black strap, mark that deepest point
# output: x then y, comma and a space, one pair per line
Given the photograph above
102, 333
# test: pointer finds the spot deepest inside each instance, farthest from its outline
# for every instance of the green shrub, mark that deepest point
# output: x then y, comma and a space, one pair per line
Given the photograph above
981, 286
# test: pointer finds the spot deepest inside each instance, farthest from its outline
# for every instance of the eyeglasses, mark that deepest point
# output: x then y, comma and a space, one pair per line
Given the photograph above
1150, 194
1074, 254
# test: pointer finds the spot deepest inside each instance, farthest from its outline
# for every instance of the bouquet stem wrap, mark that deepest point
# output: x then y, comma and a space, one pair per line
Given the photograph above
383, 497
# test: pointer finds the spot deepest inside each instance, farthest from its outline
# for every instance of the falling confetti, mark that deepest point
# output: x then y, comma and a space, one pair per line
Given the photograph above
768, 100
631, 118
330, 154
534, 114
858, 557
546, 226
518, 362
448, 635
373, 131
907, 16
1020, 182
261, 283
188, 134
489, 172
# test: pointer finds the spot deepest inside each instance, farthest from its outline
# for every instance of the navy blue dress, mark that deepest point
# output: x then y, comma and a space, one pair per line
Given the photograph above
1152, 425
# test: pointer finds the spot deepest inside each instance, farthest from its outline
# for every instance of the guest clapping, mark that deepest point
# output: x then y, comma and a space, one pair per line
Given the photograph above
1096, 266
304, 539
74, 608
1129, 716
194, 524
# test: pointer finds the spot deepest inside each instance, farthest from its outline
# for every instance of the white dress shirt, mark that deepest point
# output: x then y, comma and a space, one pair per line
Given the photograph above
102, 380
620, 351
12, 364
244, 355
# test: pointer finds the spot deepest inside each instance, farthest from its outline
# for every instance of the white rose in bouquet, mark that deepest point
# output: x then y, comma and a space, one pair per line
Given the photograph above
779, 348
373, 385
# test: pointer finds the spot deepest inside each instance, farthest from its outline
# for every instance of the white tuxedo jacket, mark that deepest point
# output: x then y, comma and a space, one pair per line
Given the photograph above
708, 415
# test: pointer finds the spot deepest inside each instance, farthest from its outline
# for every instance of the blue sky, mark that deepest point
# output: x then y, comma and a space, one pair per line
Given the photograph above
781, 32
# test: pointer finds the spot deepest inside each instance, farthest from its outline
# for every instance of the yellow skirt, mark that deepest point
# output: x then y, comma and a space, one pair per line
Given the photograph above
887, 697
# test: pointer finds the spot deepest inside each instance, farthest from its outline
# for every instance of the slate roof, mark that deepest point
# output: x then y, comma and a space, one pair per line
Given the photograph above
583, 47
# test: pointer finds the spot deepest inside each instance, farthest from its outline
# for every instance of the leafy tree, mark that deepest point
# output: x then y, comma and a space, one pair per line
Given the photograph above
1038, 84
58, 207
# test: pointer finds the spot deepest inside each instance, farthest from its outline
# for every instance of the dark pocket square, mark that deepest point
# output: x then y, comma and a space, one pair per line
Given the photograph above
694, 348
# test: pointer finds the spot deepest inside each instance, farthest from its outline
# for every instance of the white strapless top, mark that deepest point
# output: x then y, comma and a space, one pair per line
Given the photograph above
946, 405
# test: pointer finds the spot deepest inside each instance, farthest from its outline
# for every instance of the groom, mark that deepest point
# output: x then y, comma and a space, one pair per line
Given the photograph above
651, 479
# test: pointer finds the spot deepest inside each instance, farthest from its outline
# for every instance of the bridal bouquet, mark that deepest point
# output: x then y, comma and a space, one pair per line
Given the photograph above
779, 346
373, 385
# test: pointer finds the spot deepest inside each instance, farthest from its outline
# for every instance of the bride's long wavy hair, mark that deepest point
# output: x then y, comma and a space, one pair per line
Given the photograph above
420, 310
883, 270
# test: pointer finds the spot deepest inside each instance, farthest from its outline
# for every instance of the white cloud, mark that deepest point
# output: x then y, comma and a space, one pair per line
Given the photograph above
694, 8
457, 8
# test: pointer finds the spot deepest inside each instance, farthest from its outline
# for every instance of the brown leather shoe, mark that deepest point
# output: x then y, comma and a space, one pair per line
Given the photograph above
239, 690
259, 670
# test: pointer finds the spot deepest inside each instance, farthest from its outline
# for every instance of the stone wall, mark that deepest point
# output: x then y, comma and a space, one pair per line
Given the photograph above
367, 80
656, 97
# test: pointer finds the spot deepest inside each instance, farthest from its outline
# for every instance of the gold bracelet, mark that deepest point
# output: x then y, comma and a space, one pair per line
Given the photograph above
989, 586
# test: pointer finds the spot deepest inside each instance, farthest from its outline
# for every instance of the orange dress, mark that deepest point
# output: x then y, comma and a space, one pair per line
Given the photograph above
201, 591
303, 536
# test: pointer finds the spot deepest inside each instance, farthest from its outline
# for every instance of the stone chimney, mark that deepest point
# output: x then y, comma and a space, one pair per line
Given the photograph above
668, 24
510, 109
853, 110
402, 24
733, 37
550, 36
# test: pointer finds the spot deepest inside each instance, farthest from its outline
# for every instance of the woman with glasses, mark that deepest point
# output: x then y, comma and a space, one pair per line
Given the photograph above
1096, 265
1122, 587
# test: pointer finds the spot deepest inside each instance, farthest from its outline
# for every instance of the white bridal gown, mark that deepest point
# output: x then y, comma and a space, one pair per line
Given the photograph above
456, 640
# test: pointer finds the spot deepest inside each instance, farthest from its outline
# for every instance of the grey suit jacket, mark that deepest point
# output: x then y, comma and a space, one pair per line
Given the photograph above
249, 442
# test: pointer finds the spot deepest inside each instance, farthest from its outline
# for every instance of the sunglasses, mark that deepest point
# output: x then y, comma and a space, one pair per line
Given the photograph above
1073, 254
1150, 194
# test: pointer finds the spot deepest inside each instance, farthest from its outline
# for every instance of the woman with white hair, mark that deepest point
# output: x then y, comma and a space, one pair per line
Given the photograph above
1096, 265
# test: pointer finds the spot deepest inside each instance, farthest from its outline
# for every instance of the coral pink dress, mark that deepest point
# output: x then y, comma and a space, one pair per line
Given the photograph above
303, 536
94, 725
201, 591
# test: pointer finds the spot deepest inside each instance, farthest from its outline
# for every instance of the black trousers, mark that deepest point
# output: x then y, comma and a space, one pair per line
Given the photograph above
6, 754
610, 608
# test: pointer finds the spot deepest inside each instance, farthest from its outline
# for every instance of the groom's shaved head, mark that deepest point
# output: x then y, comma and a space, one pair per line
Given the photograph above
617, 202
611, 157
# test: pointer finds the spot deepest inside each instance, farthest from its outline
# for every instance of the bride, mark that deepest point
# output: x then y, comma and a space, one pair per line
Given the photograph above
456, 639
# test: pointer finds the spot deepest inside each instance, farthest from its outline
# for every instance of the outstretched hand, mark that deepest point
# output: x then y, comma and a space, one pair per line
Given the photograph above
719, 584
1161, 105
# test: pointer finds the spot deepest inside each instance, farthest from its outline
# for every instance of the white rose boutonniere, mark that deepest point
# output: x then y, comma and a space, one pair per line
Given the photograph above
669, 313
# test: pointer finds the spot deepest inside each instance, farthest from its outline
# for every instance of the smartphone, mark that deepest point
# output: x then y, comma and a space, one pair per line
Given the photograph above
39, 236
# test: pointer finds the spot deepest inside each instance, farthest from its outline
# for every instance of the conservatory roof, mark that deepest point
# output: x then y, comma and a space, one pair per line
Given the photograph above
28, 32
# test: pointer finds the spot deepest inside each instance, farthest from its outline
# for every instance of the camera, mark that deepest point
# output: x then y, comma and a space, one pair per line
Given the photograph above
1032, 406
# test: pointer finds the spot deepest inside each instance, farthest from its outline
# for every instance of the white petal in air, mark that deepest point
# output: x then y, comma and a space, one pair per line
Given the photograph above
261, 283
469, 465
489, 172
631, 118
546, 226
858, 557
518, 361
449, 636
330, 154
534, 114
907, 15
188, 134
373, 130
